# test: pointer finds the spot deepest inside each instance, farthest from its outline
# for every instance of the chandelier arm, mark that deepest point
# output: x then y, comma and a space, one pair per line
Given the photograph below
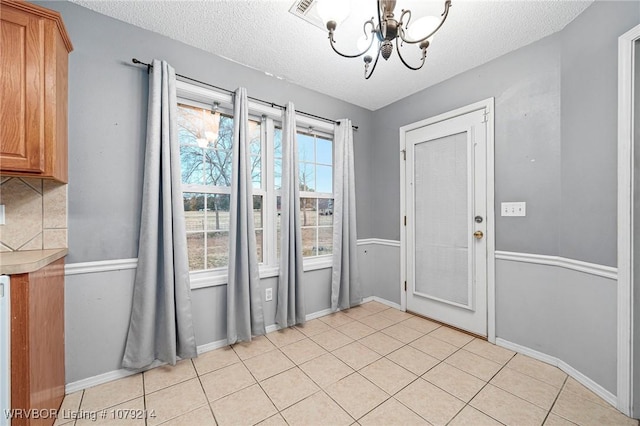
401, 22
447, 5
366, 77
373, 37
424, 57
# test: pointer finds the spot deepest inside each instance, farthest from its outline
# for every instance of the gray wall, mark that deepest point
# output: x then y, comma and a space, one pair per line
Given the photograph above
107, 116
97, 308
563, 313
555, 137
556, 148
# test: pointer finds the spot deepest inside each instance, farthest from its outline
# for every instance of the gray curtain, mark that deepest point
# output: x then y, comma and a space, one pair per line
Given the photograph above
161, 326
345, 284
290, 305
244, 298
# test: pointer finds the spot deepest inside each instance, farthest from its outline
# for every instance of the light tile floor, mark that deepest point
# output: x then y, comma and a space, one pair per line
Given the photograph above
370, 365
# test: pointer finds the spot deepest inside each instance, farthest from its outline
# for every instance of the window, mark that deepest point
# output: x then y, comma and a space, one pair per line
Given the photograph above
315, 155
205, 154
206, 138
315, 175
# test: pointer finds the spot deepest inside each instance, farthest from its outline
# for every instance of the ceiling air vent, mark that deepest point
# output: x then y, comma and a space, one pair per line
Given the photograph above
306, 10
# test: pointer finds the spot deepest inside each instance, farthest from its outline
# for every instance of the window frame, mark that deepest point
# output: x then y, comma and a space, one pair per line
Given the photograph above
202, 97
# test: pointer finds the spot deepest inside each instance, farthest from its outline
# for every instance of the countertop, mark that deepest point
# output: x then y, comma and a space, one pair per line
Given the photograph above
22, 262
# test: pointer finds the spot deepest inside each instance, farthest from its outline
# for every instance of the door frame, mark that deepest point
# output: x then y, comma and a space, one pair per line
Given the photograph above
488, 106
626, 71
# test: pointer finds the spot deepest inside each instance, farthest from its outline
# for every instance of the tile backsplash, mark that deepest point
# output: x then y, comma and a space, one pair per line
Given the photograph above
35, 214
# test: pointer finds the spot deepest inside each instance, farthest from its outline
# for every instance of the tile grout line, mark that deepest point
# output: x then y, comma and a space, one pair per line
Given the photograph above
204, 391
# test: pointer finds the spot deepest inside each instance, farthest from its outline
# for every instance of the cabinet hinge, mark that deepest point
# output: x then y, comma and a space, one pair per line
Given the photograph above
405, 221
405, 286
404, 154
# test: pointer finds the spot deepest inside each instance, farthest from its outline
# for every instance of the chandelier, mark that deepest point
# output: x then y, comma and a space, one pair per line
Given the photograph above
384, 31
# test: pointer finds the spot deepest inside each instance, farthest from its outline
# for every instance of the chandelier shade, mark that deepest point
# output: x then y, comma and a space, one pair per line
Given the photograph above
382, 33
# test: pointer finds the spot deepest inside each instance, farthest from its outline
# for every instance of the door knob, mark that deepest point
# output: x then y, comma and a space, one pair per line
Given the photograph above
478, 234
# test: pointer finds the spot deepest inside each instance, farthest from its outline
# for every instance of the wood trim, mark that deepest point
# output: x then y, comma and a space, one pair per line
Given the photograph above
44, 13
20, 372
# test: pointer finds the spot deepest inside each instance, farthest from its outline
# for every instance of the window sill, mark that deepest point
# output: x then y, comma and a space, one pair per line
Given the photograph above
203, 279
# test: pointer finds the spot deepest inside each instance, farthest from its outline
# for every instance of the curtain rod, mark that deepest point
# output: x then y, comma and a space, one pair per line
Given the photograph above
272, 104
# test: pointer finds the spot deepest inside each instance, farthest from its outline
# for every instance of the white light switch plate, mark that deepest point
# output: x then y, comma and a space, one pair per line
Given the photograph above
1, 214
268, 295
513, 209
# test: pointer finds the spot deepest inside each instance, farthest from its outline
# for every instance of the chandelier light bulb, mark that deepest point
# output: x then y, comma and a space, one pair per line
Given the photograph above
422, 27
333, 10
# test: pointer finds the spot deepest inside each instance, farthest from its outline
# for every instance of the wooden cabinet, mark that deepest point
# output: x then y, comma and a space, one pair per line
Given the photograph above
37, 341
33, 89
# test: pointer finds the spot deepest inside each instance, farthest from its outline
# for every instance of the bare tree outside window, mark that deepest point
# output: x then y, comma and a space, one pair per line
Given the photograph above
206, 140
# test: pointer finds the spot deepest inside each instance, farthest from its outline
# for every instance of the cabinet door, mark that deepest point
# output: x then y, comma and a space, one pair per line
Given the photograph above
22, 92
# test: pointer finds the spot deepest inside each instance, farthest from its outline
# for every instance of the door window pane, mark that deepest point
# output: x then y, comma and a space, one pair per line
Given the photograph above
442, 234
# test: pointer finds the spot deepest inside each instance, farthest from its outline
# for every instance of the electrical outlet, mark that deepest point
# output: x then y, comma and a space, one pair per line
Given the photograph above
1, 214
268, 294
513, 209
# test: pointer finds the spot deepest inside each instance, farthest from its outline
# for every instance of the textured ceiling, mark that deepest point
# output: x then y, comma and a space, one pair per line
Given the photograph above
262, 34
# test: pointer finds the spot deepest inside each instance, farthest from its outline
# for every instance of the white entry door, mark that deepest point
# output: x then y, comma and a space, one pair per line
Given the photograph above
446, 221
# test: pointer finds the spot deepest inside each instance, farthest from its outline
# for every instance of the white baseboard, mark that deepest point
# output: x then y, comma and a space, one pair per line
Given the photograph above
386, 302
581, 378
207, 347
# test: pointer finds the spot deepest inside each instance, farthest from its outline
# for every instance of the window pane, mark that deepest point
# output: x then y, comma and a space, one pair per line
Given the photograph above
325, 211
257, 211
218, 212
217, 249
277, 175
191, 164
308, 211
306, 148
193, 211
195, 249
217, 167
309, 242
307, 177
325, 240
324, 179
256, 172
224, 141
277, 142
259, 247
324, 151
